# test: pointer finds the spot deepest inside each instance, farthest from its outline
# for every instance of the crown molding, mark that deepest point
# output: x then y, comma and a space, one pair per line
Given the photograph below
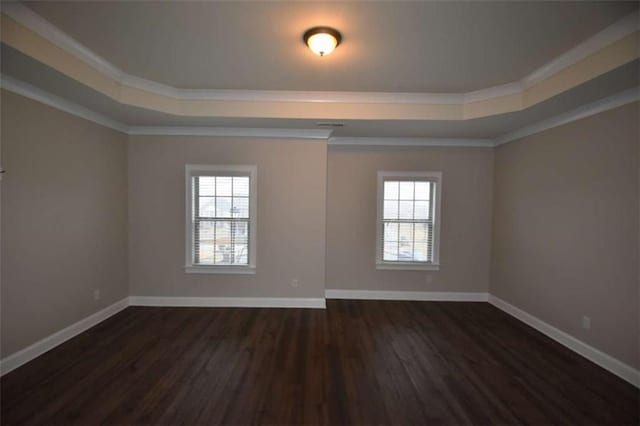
313, 134
27, 90
503, 90
32, 21
24, 89
602, 105
617, 31
426, 142
290, 95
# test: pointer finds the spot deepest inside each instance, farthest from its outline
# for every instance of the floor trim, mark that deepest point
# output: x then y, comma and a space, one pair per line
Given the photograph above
25, 355
594, 355
229, 302
598, 357
406, 295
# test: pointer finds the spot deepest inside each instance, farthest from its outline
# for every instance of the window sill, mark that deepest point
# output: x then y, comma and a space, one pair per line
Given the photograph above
201, 269
398, 266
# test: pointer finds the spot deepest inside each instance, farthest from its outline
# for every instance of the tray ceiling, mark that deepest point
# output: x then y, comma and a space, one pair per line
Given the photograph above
438, 47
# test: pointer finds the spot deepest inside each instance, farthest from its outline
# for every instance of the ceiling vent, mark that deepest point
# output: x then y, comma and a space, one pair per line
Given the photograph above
331, 124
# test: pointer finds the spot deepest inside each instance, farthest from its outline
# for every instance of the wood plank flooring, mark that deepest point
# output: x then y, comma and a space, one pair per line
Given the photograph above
357, 362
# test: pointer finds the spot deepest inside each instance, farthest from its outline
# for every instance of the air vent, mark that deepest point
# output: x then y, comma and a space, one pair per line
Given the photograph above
329, 124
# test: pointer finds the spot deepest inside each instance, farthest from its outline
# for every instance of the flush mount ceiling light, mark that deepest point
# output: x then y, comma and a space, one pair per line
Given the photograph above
322, 40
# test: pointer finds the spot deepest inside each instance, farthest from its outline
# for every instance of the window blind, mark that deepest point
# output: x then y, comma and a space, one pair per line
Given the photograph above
407, 221
220, 220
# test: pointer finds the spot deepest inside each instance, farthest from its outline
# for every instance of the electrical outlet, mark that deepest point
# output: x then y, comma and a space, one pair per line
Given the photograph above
429, 278
96, 295
294, 282
586, 322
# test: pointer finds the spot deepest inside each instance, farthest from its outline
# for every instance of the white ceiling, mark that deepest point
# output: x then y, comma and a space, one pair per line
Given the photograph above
388, 46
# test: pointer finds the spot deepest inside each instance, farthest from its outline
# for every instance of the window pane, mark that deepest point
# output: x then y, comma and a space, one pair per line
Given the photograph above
204, 246
391, 232
223, 233
223, 254
420, 252
206, 230
423, 190
391, 190
223, 206
421, 234
406, 210
223, 185
390, 210
206, 254
406, 232
421, 210
240, 207
222, 237
207, 207
407, 229
406, 190
405, 251
239, 233
207, 185
390, 251
241, 186
240, 254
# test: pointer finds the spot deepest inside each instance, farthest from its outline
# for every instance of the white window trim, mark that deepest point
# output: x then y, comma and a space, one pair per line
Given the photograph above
252, 171
434, 265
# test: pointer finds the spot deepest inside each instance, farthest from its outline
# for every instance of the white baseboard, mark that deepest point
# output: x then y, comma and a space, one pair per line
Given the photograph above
594, 355
229, 302
607, 362
25, 355
406, 295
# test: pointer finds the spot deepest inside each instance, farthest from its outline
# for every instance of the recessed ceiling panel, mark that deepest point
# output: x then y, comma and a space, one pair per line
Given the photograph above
387, 46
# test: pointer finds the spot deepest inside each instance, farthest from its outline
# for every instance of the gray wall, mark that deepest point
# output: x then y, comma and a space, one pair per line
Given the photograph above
64, 220
565, 206
565, 229
467, 178
291, 216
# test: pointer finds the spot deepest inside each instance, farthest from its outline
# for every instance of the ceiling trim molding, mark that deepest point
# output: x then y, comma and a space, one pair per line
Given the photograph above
602, 105
494, 92
28, 91
314, 134
24, 89
617, 31
398, 142
290, 95
32, 21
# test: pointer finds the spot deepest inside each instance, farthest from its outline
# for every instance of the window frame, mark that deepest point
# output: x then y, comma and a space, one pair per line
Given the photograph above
436, 178
192, 170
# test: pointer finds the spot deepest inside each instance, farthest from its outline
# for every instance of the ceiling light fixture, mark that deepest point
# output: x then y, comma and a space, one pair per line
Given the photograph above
322, 40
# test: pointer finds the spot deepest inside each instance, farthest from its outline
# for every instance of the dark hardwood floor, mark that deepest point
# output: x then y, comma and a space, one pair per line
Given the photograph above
358, 362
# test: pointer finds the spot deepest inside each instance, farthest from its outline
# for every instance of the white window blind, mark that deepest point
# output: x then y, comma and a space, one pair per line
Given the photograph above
408, 219
221, 218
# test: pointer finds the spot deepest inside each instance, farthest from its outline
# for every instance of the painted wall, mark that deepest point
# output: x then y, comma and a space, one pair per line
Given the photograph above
565, 229
465, 246
64, 220
94, 209
291, 216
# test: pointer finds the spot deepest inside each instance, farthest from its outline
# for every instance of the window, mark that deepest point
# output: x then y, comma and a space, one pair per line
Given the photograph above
408, 225
221, 219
